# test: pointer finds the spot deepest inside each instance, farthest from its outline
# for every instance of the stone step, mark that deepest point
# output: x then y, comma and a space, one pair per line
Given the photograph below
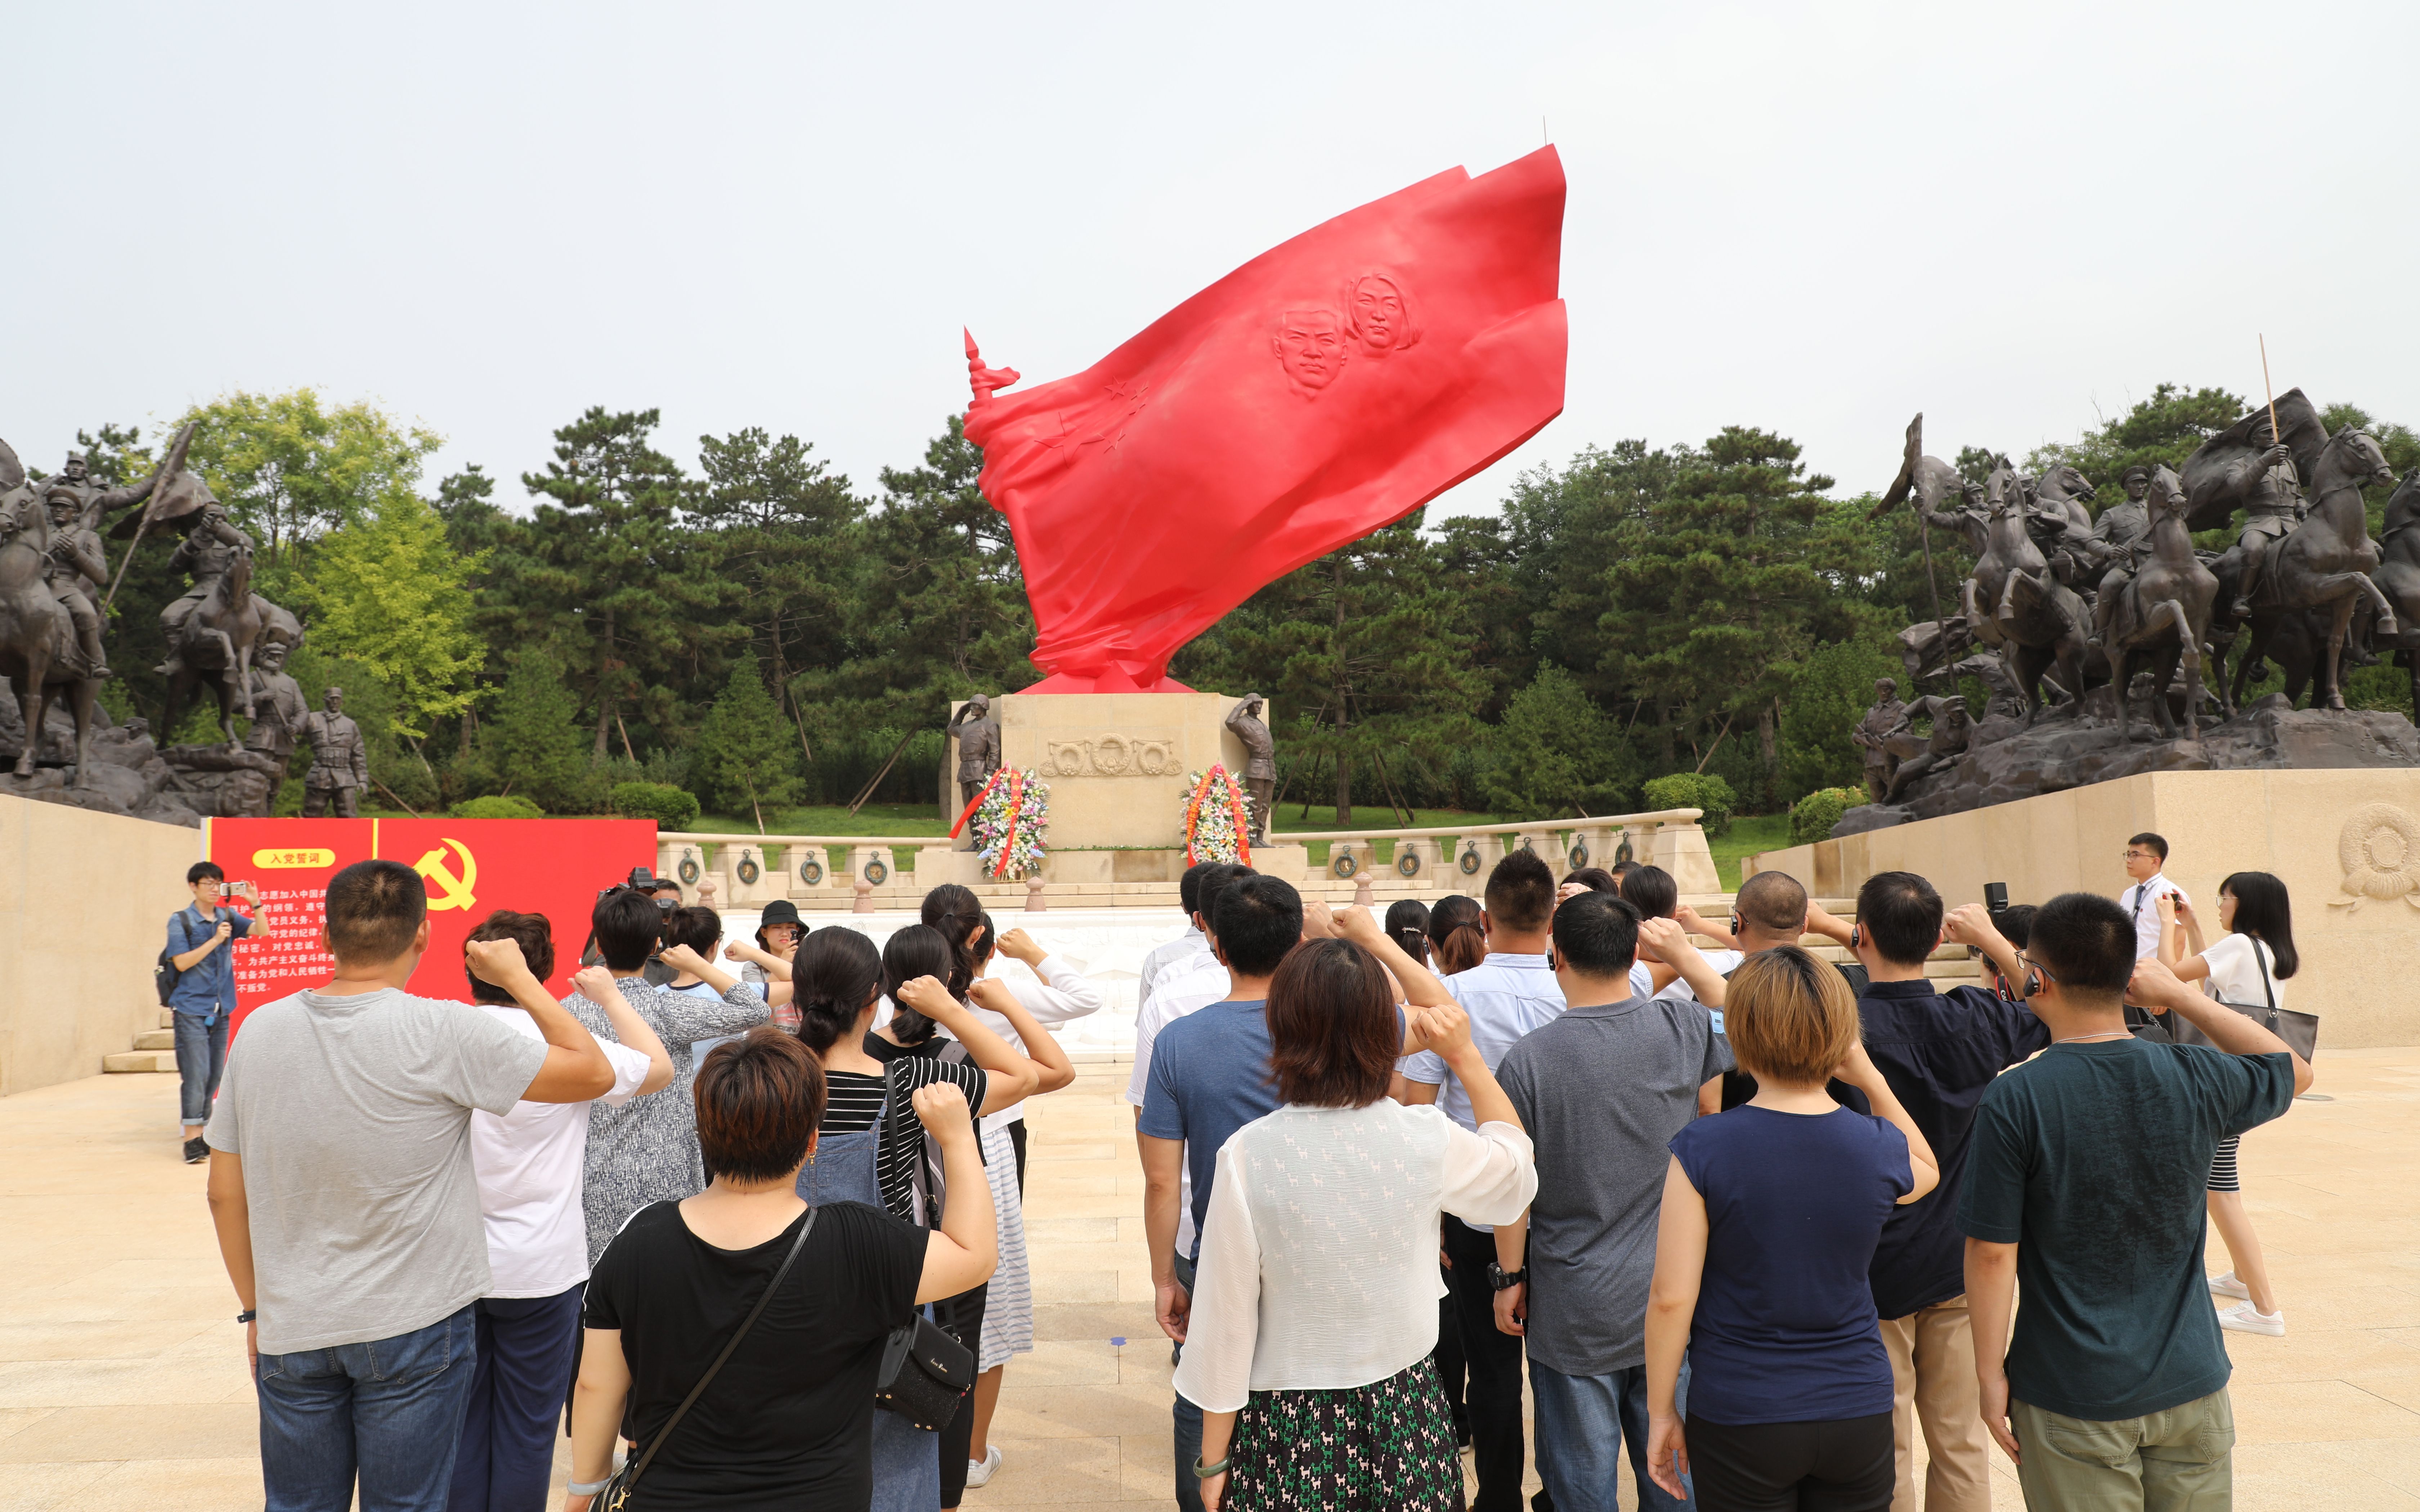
167, 1018
156, 1040
141, 1060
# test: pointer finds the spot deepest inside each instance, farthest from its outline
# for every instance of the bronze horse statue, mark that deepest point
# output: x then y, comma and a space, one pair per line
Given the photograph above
2162, 616
2326, 561
214, 646
2397, 573
37, 647
2020, 606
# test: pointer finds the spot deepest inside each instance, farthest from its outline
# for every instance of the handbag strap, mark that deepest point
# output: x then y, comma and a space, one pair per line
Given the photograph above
741, 1333
2266, 990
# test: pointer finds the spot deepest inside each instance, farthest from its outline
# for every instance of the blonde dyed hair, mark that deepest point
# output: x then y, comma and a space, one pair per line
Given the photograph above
1790, 1018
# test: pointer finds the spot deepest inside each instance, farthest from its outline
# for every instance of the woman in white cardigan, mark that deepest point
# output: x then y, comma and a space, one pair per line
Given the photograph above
1315, 1312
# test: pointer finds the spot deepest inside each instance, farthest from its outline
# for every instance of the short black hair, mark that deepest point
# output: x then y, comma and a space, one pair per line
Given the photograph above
1259, 920
1188, 887
1900, 913
199, 870
2015, 923
1596, 934
1521, 891
1652, 890
1594, 878
628, 926
374, 910
2157, 842
2085, 942
1773, 901
695, 927
1216, 878
660, 884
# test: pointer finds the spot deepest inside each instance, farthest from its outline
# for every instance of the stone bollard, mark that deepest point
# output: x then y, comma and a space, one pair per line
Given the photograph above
864, 891
1034, 902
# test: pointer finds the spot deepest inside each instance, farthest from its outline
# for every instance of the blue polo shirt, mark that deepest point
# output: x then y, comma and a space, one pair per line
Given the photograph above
1209, 1077
207, 989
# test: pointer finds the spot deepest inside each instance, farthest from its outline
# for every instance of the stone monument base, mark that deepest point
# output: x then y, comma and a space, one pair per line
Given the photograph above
2058, 754
1115, 763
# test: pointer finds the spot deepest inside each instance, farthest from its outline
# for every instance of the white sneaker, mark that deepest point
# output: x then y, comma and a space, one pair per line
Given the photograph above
980, 1472
2250, 1319
2226, 1285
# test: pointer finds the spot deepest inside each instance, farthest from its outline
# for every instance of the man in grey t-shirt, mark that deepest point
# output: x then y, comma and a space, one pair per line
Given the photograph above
345, 1203
1600, 1090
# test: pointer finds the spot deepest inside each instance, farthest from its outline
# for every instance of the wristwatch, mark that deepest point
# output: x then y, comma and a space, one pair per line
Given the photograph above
246, 1315
1502, 1279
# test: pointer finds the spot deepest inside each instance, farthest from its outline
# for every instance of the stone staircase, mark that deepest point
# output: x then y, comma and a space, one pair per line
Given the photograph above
155, 1050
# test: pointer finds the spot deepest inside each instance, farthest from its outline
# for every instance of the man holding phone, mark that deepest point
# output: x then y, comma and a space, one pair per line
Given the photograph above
201, 943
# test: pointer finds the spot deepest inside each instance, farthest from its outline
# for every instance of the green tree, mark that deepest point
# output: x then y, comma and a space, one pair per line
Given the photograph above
2160, 431
391, 594
291, 468
1556, 753
744, 747
1833, 688
535, 739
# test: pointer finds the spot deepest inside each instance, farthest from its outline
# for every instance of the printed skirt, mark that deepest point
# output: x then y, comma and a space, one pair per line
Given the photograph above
1376, 1448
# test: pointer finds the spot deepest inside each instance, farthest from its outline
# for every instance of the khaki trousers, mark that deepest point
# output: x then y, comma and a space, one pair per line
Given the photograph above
1932, 1381
2180, 1460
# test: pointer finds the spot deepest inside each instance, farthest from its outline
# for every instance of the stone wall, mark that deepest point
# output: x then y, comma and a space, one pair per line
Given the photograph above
1116, 762
85, 900
2347, 844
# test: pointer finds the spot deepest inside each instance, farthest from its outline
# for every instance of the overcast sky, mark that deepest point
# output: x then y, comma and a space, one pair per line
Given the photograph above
1815, 218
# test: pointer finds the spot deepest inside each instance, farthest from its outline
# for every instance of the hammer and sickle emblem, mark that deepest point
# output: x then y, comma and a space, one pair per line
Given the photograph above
452, 891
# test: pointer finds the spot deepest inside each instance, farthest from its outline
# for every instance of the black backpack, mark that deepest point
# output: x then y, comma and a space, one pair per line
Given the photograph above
165, 974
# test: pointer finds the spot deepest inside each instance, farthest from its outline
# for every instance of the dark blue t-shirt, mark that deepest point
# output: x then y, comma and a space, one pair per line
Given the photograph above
1209, 1077
1939, 1051
2093, 1159
1785, 1330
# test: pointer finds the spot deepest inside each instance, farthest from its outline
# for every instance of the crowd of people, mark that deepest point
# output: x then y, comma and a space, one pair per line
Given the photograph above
1749, 1219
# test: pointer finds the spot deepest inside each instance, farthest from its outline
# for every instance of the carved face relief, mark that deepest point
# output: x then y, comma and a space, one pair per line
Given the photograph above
1380, 316
1311, 347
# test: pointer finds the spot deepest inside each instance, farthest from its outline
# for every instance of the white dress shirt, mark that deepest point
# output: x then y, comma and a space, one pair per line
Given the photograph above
2142, 904
1176, 952
1063, 993
1318, 1267
1506, 996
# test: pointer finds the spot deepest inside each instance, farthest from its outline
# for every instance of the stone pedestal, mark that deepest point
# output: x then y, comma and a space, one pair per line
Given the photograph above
1115, 761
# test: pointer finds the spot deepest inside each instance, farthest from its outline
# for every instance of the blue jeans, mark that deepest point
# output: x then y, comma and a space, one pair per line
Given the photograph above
1582, 1421
201, 1060
522, 1371
1189, 1421
389, 1411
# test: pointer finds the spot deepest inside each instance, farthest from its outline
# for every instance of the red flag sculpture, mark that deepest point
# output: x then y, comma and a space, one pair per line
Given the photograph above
1326, 388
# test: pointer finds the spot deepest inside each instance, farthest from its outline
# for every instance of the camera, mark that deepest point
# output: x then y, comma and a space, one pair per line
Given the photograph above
641, 879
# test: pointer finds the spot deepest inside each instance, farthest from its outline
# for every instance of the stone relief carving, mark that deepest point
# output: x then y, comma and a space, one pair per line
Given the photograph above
2379, 847
1381, 314
1113, 755
1311, 346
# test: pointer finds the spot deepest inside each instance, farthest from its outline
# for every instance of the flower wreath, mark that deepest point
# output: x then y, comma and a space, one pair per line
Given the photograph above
1011, 816
1217, 818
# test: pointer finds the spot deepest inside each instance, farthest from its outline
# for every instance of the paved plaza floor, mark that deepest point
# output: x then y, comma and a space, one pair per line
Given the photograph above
122, 1382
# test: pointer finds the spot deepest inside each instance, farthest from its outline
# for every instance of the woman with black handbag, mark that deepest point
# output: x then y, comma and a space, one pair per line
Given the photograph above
734, 1337
2246, 970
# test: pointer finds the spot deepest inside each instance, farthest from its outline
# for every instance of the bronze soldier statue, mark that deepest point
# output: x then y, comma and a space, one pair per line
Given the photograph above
280, 712
90, 500
2270, 492
340, 767
2119, 538
1260, 763
978, 737
77, 570
207, 550
1952, 728
1885, 718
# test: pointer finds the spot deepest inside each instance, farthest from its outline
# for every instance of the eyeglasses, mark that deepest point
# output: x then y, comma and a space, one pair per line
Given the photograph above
2035, 968
2142, 855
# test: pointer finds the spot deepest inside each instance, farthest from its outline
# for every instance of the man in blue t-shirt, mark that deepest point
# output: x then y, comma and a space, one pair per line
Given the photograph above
201, 946
1209, 1077
1940, 1051
2085, 1179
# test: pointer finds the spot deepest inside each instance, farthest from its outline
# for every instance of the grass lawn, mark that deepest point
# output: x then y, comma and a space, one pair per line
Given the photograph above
874, 819
1750, 833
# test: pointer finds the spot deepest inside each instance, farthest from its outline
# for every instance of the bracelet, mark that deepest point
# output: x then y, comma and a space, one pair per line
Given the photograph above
1202, 1472
587, 1488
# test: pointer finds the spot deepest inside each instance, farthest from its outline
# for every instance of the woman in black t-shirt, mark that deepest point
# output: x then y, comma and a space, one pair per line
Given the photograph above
786, 1422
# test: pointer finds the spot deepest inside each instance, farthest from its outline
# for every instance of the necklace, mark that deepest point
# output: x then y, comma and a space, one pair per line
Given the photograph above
2104, 1034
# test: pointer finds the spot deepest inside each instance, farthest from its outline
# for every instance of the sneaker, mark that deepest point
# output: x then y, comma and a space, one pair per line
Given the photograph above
197, 1151
2244, 1317
2226, 1285
980, 1472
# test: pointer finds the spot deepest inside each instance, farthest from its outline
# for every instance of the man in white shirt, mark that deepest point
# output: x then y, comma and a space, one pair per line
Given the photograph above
1508, 994
2146, 857
1192, 943
1189, 984
529, 1163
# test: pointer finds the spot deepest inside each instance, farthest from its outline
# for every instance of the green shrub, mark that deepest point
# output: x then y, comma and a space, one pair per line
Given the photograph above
497, 806
668, 806
1812, 817
1694, 789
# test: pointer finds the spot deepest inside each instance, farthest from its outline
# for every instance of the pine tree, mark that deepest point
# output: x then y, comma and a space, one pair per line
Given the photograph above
534, 737
1556, 753
745, 748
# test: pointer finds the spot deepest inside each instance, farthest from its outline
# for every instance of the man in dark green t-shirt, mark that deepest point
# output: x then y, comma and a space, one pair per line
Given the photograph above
2085, 1179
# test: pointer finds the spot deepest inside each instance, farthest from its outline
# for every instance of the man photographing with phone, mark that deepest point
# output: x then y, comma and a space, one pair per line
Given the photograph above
201, 952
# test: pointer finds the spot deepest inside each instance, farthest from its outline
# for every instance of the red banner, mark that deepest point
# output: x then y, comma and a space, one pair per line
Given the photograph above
472, 868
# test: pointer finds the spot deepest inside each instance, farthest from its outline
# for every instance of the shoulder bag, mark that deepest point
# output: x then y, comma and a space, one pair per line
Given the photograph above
165, 974
618, 1490
925, 1372
2301, 1031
